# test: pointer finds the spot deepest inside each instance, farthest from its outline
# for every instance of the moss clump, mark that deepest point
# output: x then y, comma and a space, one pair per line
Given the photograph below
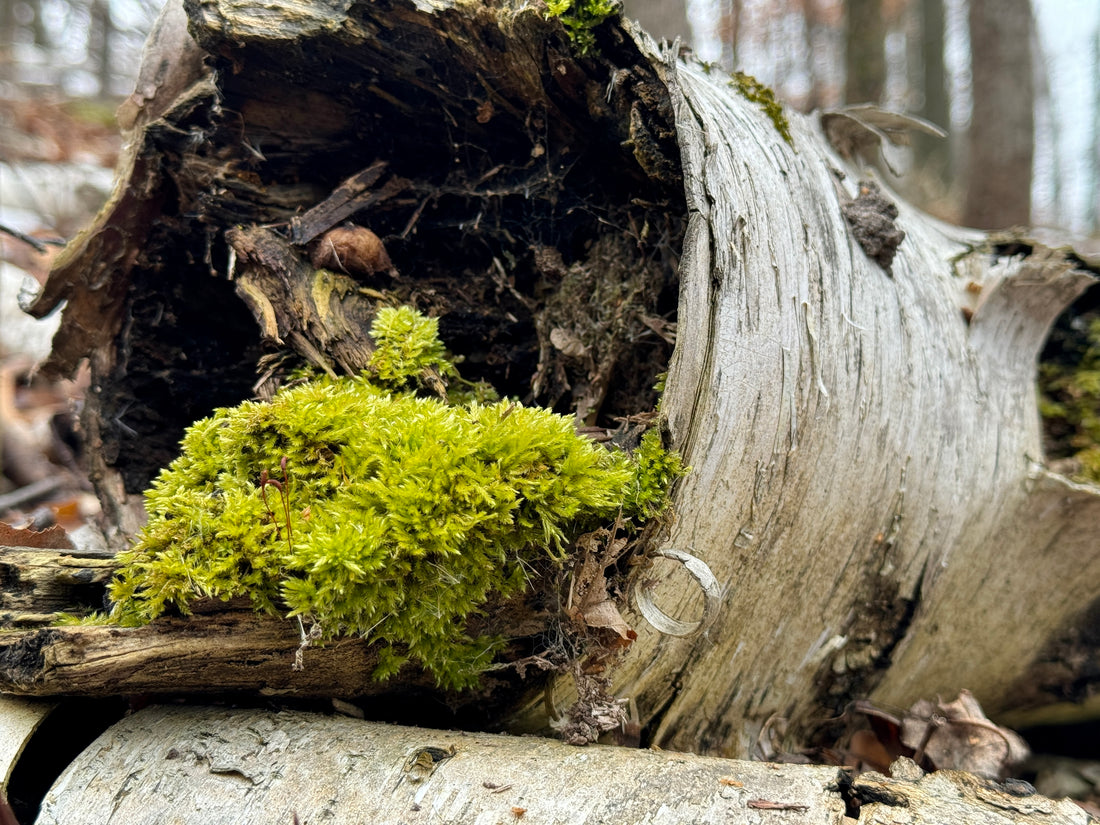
377, 513
580, 17
655, 468
407, 344
1069, 399
756, 92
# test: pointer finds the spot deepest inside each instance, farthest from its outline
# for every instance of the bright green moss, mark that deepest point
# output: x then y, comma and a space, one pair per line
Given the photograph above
579, 18
655, 468
407, 345
756, 92
1069, 401
375, 513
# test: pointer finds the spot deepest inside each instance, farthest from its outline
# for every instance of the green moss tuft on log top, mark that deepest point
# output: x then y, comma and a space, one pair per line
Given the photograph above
368, 510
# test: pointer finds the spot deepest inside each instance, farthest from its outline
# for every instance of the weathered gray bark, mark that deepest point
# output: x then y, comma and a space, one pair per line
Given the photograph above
867, 482
866, 462
196, 765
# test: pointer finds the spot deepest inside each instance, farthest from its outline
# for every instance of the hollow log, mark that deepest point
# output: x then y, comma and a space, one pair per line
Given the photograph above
852, 383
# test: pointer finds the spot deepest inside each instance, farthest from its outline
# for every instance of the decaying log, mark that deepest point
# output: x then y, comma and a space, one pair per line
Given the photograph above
214, 765
223, 648
222, 653
36, 584
953, 798
867, 483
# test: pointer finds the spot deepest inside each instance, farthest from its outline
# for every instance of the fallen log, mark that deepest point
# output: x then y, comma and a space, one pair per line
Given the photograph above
215, 765
852, 382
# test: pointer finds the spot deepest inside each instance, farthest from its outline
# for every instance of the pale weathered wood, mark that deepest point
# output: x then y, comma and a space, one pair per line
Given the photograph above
865, 461
209, 765
19, 719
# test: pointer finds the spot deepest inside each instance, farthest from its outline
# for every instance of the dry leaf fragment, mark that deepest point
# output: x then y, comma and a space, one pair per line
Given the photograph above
958, 736
52, 538
568, 343
351, 249
606, 614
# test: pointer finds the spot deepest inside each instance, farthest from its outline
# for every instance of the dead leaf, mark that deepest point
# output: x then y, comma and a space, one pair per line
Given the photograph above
485, 112
52, 538
606, 614
351, 249
867, 751
958, 736
568, 343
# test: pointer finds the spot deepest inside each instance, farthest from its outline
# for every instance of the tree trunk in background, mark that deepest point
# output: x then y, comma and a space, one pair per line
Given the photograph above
811, 23
933, 155
7, 40
864, 52
1092, 217
863, 432
1002, 126
100, 34
664, 19
729, 30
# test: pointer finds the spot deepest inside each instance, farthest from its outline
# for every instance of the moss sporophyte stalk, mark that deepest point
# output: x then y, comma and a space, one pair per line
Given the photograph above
365, 509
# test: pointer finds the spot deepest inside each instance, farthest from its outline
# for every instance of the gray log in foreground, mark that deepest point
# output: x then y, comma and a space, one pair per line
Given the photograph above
209, 766
214, 765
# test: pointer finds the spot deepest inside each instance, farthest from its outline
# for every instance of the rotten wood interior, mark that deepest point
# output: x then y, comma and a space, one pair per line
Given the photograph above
530, 200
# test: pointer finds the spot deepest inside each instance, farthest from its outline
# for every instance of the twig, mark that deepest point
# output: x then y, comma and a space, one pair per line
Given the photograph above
39, 245
29, 493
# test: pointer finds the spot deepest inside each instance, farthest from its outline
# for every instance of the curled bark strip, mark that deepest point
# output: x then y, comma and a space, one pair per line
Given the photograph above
712, 593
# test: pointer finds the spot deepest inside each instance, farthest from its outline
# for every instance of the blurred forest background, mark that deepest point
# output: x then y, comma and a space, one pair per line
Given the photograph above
1015, 83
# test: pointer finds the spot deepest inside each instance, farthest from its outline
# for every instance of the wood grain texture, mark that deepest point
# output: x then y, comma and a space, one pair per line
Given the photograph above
202, 765
37, 584
212, 654
865, 478
213, 765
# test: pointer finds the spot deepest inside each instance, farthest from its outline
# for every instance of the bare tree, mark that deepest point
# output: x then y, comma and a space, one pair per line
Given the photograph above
931, 153
729, 30
1001, 136
865, 51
